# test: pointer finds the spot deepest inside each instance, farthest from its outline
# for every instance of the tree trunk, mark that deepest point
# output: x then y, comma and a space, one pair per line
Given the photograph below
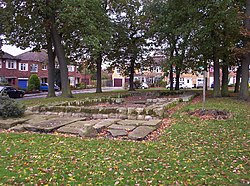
51, 69
237, 83
224, 86
60, 53
244, 89
216, 92
131, 75
171, 78
99, 74
177, 78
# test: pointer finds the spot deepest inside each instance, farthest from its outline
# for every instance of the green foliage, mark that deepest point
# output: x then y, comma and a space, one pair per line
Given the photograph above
10, 108
34, 83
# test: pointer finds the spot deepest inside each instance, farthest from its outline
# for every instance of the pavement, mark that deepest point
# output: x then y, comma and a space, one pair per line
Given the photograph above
82, 91
131, 129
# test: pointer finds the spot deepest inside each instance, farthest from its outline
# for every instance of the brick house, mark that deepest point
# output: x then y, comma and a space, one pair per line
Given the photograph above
17, 69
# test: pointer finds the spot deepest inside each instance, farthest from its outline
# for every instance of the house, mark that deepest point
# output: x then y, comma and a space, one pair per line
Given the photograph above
150, 74
17, 69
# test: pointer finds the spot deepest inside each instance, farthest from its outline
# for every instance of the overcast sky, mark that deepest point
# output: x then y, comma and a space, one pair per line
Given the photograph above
13, 50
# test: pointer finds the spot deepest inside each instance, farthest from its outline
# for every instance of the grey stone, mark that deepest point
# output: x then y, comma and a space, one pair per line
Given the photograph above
69, 130
105, 116
153, 123
50, 125
82, 124
131, 122
132, 117
148, 117
89, 132
116, 133
19, 128
139, 110
122, 127
105, 123
123, 116
140, 117
140, 132
8, 123
131, 111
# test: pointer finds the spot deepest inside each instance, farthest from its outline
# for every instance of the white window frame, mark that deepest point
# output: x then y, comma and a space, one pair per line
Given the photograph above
10, 64
34, 68
23, 66
44, 66
71, 68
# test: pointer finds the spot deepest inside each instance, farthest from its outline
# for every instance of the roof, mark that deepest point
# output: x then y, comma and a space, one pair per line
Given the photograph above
34, 56
7, 56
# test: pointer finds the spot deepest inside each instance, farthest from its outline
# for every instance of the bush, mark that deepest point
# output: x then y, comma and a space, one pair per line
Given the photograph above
10, 108
34, 83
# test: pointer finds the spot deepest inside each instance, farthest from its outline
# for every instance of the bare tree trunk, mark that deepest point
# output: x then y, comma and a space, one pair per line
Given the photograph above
216, 92
131, 75
244, 89
60, 53
99, 74
237, 83
224, 86
171, 78
177, 79
51, 66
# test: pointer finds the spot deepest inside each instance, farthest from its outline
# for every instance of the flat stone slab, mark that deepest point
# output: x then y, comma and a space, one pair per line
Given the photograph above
51, 125
105, 123
83, 124
152, 123
141, 132
87, 131
116, 133
9, 123
131, 122
122, 127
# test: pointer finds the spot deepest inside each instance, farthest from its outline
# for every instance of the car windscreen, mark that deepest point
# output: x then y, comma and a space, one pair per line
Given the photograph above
1, 88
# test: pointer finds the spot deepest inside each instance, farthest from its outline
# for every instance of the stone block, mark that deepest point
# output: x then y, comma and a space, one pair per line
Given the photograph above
116, 133
122, 127
105, 123
140, 132
131, 122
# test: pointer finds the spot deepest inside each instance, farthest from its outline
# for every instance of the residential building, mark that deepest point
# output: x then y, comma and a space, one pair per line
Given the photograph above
17, 69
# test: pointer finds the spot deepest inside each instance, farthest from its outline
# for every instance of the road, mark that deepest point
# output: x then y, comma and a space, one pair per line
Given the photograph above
44, 94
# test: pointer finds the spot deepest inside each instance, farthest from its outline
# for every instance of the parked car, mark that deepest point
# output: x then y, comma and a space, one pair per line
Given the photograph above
45, 87
144, 85
11, 92
181, 86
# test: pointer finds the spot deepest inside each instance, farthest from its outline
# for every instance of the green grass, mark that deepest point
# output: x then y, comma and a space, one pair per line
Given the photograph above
190, 152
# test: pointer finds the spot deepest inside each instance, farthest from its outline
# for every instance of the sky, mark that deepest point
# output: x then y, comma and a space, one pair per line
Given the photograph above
13, 50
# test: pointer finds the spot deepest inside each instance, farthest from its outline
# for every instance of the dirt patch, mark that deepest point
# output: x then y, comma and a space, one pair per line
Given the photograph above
209, 114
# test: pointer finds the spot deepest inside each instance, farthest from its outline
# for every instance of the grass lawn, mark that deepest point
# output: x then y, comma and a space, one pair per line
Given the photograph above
191, 152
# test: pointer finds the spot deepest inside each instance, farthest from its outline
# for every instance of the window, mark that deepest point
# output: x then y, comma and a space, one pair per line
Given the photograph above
34, 68
23, 66
44, 67
71, 68
10, 64
0, 63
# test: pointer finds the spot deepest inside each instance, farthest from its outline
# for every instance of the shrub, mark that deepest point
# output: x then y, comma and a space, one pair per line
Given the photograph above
10, 108
34, 83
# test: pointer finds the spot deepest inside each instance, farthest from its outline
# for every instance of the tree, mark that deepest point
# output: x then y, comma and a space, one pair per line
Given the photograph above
33, 83
130, 38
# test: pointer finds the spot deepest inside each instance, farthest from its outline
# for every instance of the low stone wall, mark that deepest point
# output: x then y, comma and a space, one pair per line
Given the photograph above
151, 109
